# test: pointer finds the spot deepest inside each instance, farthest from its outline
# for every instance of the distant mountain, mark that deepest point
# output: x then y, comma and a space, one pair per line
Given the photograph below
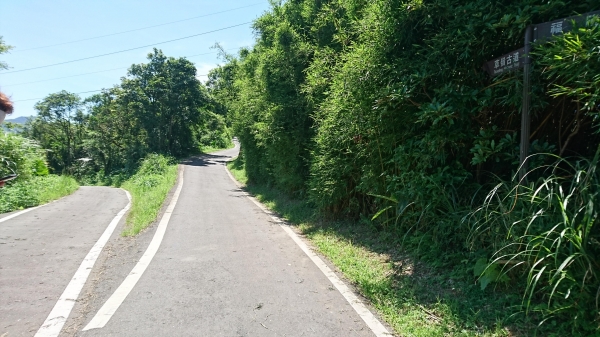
18, 120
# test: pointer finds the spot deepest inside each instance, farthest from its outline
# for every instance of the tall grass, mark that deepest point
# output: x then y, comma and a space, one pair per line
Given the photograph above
35, 191
149, 187
547, 235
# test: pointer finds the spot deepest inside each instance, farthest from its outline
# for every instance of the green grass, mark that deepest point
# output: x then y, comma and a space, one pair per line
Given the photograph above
211, 149
148, 192
415, 297
35, 191
237, 171
55, 187
549, 230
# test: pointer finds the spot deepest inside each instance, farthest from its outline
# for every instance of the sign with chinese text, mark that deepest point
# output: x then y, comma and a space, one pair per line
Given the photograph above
546, 30
505, 63
541, 33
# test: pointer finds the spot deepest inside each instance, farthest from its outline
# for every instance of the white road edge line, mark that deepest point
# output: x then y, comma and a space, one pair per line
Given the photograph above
116, 299
19, 213
29, 210
53, 325
372, 322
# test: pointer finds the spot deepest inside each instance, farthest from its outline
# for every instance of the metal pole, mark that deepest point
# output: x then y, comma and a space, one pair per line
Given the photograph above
525, 116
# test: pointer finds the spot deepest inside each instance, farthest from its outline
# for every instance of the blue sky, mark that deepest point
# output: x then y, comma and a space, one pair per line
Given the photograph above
30, 24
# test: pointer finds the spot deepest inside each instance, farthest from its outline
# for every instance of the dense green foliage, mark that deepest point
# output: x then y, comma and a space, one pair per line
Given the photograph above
33, 185
548, 229
35, 191
159, 107
381, 110
115, 138
149, 187
21, 156
59, 127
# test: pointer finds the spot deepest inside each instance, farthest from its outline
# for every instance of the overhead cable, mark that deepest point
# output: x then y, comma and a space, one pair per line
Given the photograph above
76, 93
126, 50
60, 78
100, 71
134, 30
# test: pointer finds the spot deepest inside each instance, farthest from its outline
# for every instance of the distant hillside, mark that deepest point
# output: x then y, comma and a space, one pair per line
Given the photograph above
18, 120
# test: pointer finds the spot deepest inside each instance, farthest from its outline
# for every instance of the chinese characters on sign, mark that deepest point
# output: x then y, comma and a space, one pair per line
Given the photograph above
539, 33
544, 31
509, 62
556, 28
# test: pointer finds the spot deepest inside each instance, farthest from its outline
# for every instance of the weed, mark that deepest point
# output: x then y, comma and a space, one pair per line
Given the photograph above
35, 191
547, 233
149, 187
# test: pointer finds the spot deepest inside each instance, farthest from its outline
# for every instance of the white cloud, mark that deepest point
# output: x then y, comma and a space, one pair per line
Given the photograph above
203, 69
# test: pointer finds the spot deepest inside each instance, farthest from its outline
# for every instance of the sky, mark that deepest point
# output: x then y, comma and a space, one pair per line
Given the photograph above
45, 33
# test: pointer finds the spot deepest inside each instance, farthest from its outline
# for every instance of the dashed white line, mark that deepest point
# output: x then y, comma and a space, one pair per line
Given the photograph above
116, 299
372, 322
62, 309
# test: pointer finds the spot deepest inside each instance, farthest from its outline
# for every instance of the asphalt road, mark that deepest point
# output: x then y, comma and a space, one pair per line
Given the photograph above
40, 252
224, 268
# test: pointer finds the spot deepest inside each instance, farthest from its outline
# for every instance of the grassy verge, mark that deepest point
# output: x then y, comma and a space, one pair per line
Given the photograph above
149, 188
211, 149
415, 297
35, 191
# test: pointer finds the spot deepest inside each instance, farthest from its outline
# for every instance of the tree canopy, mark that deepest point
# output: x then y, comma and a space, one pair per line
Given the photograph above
159, 107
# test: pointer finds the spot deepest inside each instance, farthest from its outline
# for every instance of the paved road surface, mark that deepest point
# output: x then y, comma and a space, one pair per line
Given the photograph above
224, 268
41, 250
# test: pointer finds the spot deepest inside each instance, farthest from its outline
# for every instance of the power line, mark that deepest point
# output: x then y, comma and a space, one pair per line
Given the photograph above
60, 78
135, 30
100, 71
94, 72
84, 92
76, 93
126, 50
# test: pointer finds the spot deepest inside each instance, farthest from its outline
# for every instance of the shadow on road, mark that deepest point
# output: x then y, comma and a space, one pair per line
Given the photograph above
440, 292
206, 160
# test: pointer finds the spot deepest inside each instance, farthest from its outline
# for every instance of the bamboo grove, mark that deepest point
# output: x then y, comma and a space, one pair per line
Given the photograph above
381, 110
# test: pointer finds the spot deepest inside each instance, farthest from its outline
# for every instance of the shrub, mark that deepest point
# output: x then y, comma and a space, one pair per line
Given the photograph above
154, 164
548, 233
21, 156
149, 187
35, 191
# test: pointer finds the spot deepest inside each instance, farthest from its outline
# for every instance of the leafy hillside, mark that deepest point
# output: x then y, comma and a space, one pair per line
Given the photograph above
159, 107
380, 111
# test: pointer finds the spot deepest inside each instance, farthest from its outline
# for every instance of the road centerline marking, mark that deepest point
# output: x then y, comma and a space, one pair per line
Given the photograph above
361, 309
116, 299
55, 321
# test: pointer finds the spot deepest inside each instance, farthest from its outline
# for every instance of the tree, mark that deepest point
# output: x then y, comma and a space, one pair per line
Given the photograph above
4, 48
115, 139
167, 99
60, 128
159, 107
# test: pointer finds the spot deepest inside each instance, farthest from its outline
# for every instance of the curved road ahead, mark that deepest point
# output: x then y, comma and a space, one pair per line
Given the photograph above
223, 268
